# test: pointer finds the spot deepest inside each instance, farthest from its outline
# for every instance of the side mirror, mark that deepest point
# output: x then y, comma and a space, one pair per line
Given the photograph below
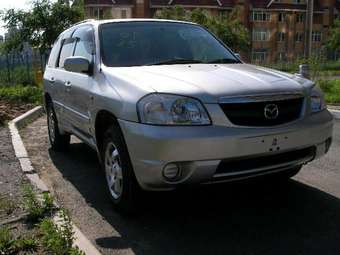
238, 55
304, 71
77, 65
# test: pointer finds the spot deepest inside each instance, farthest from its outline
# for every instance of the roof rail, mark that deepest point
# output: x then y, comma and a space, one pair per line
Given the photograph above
83, 21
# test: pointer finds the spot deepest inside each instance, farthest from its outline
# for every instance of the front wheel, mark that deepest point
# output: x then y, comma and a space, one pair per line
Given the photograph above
121, 181
58, 141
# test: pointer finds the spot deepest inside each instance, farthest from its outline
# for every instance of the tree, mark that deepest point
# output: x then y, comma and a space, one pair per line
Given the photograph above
333, 42
41, 25
227, 28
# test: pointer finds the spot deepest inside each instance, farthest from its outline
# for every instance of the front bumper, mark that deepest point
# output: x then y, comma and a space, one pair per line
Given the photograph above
200, 150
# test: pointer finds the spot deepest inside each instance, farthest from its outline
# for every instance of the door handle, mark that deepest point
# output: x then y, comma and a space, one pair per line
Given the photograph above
68, 86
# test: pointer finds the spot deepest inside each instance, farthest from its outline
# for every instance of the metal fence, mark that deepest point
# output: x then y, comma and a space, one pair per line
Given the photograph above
21, 68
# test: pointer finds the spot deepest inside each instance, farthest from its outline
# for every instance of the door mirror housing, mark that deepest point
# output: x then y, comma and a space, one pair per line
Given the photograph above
78, 65
238, 55
304, 71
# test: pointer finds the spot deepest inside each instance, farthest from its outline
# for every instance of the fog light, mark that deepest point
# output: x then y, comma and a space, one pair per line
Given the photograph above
171, 171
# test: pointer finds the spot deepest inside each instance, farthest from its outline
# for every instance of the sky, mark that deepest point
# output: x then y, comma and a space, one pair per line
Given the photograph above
7, 4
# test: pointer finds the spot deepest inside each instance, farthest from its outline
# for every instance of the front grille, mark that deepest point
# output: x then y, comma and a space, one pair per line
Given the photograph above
253, 113
244, 164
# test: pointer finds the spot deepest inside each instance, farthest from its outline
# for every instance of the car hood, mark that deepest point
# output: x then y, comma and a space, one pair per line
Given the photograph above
210, 82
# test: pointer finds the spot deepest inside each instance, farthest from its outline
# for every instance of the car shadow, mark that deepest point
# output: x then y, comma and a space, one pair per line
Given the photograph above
241, 218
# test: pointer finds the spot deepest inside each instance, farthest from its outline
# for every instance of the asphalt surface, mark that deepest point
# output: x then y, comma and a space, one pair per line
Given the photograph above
298, 217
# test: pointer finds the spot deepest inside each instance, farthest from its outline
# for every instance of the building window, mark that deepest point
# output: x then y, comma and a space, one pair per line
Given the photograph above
123, 14
299, 37
261, 16
259, 55
280, 36
98, 13
300, 17
316, 36
282, 17
260, 34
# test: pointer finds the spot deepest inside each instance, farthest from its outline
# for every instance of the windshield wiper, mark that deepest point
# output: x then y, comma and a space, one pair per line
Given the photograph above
175, 61
224, 61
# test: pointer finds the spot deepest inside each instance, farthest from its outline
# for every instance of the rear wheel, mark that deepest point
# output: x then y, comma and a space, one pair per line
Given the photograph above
121, 181
58, 141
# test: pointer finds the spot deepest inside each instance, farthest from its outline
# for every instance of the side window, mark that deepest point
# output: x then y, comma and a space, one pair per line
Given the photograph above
84, 37
52, 60
66, 50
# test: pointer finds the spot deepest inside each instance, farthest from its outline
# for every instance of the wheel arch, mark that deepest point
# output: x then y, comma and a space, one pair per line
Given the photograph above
47, 99
104, 119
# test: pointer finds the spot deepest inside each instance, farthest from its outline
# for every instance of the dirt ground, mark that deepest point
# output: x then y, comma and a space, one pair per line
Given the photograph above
11, 178
9, 111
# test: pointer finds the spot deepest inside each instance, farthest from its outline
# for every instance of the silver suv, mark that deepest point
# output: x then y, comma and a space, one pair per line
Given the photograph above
166, 103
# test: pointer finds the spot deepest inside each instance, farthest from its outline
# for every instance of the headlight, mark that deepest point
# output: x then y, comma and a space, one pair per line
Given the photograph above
317, 100
167, 109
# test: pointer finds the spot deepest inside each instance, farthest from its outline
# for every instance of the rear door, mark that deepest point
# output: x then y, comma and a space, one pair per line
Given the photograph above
79, 84
61, 76
50, 78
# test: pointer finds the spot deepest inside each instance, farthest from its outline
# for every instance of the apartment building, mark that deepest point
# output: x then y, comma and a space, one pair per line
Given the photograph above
278, 29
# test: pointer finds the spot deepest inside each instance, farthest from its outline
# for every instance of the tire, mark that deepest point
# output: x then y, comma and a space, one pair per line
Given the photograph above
120, 178
59, 142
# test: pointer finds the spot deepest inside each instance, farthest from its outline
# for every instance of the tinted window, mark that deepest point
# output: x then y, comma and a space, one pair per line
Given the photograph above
145, 43
66, 51
52, 60
84, 42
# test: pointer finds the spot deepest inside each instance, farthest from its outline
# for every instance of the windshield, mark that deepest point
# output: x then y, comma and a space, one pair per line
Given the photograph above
160, 43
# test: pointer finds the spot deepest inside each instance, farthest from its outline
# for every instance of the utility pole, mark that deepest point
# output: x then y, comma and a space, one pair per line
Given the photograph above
310, 11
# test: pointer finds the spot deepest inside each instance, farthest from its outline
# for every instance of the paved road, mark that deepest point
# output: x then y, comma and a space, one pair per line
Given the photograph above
300, 217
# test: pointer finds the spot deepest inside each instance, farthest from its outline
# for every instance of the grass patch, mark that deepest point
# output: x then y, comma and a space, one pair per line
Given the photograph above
7, 206
36, 207
6, 241
39, 233
331, 88
58, 239
21, 94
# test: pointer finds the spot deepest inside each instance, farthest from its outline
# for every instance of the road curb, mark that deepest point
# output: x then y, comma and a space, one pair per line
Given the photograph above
21, 154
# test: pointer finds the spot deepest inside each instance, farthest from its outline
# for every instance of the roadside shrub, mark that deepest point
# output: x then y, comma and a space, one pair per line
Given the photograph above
36, 207
28, 244
58, 238
21, 94
331, 88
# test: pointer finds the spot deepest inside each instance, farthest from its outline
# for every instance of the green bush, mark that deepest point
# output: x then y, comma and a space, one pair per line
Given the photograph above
331, 88
37, 208
17, 75
21, 94
58, 238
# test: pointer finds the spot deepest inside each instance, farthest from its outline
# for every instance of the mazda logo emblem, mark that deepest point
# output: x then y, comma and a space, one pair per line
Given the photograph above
271, 111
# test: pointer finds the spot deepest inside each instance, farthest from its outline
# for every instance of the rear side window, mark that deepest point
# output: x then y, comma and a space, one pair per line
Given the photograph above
66, 50
84, 37
52, 60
